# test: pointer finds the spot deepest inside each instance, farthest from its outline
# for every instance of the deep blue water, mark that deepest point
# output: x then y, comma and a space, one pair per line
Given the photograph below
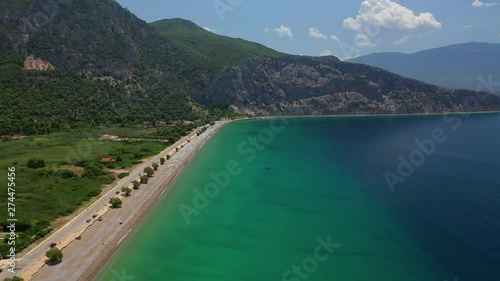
451, 203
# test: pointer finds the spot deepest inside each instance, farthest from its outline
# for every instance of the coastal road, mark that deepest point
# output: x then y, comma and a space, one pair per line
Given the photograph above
98, 234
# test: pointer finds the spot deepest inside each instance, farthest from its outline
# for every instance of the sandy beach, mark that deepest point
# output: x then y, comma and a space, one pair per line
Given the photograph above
85, 257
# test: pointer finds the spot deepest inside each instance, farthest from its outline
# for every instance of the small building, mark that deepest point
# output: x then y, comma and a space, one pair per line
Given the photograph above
106, 160
147, 123
161, 123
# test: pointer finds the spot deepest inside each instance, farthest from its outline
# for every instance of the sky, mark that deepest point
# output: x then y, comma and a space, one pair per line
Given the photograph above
343, 28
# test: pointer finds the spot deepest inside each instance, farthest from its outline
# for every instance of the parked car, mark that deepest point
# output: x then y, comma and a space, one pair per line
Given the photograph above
88, 220
94, 216
52, 245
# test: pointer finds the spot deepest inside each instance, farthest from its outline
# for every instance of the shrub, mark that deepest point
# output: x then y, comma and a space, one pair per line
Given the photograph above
65, 174
54, 254
123, 175
115, 202
35, 163
149, 171
93, 193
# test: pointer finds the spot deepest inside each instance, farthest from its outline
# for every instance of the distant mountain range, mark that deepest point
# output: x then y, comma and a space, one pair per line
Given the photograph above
72, 64
455, 67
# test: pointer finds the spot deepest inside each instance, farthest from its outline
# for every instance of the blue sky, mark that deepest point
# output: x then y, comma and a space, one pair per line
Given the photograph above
344, 28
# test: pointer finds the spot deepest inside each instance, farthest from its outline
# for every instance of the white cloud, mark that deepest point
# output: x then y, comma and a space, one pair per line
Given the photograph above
380, 20
209, 29
362, 40
315, 33
327, 53
333, 37
467, 27
284, 31
266, 30
480, 4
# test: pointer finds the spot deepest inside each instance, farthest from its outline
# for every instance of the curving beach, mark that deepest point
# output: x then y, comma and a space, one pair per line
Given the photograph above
99, 239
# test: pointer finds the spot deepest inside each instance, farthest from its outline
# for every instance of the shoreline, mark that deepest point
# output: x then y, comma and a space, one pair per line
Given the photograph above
111, 248
85, 256
371, 115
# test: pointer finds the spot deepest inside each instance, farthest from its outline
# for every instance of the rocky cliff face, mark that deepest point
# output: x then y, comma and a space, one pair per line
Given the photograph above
324, 86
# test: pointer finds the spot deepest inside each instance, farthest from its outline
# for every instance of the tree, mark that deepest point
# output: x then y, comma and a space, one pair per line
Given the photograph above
136, 184
155, 166
54, 255
144, 179
149, 171
14, 278
115, 202
127, 190
93, 170
168, 157
35, 163
162, 161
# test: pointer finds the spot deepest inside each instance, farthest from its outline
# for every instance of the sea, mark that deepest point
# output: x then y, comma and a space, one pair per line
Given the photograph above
368, 198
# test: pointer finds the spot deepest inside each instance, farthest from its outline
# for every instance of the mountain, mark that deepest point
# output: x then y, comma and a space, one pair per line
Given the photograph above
206, 53
326, 86
456, 67
67, 64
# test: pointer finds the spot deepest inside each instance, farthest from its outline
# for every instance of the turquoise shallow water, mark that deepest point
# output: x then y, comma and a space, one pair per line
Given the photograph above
322, 179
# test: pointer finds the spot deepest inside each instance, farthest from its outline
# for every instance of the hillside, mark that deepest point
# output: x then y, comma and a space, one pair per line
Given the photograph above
455, 67
77, 64
109, 67
204, 52
324, 86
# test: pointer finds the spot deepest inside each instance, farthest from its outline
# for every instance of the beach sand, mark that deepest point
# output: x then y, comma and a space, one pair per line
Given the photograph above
83, 259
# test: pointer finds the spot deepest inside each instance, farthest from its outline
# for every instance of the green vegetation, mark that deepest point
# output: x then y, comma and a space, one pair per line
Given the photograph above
28, 231
89, 89
144, 179
15, 278
162, 160
36, 102
155, 166
123, 175
174, 133
54, 255
47, 193
150, 172
65, 174
206, 53
13, 5
35, 163
127, 191
136, 184
115, 202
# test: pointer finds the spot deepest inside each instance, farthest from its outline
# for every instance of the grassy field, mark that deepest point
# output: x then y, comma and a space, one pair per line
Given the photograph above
43, 196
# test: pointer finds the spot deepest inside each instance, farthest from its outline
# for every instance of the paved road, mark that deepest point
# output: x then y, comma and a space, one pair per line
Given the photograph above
78, 224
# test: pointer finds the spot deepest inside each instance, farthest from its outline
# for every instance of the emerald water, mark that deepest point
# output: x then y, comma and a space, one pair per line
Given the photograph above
318, 181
